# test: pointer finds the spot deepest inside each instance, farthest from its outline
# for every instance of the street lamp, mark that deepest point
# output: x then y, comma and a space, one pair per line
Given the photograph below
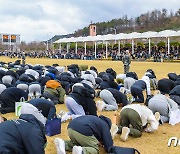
114, 32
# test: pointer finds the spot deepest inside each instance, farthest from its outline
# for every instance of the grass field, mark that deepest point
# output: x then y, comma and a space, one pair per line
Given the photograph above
149, 143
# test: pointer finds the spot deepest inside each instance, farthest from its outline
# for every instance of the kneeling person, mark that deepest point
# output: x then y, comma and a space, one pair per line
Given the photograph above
86, 133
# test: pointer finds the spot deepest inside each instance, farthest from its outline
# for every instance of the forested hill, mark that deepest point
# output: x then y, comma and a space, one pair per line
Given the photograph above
156, 20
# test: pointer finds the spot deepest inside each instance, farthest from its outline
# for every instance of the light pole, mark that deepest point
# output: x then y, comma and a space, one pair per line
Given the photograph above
115, 32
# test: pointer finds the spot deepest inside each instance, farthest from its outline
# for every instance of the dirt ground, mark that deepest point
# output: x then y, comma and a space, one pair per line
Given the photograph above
149, 143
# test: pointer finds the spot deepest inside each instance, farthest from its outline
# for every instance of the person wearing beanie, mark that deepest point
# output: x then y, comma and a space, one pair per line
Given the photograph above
138, 87
86, 133
8, 98
135, 118
24, 135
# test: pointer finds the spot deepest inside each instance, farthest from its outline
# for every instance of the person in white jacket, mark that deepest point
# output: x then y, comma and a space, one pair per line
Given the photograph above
162, 104
135, 118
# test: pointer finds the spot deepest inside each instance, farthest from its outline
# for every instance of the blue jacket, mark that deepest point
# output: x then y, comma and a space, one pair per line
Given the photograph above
25, 135
90, 125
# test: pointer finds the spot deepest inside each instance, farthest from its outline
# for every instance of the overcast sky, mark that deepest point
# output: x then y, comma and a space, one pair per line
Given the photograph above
37, 20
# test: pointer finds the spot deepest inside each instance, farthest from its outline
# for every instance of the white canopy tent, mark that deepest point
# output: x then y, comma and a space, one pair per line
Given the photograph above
121, 36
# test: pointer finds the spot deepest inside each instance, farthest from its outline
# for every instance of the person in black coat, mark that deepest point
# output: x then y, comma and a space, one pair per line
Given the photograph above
108, 82
80, 102
8, 98
110, 99
165, 85
47, 107
86, 133
24, 135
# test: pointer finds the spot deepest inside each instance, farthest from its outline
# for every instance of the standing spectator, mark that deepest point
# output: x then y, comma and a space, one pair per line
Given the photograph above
126, 62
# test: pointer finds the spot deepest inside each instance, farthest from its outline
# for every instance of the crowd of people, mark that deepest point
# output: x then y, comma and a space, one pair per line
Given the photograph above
158, 54
43, 87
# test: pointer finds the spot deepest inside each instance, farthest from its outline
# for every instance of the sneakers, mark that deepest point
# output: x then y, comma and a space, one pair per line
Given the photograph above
125, 133
122, 90
114, 130
61, 113
60, 146
157, 116
65, 117
100, 105
77, 150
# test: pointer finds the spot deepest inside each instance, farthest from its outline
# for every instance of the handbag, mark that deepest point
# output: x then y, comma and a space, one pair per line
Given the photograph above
18, 106
53, 126
122, 150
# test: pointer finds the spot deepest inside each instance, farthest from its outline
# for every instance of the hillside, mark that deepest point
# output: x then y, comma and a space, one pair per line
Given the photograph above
156, 20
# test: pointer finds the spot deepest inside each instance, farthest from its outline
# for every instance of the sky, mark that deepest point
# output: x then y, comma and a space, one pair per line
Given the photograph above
39, 20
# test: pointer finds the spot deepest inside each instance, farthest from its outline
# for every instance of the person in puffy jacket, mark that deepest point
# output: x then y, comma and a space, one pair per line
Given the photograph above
26, 134
8, 98
54, 91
